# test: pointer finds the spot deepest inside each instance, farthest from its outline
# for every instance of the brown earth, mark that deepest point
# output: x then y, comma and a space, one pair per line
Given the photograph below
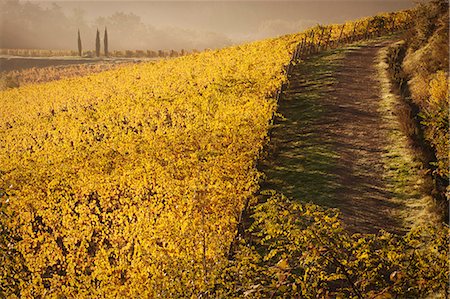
361, 140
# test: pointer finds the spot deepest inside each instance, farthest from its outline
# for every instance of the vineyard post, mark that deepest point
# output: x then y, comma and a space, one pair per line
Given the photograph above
302, 45
294, 56
366, 34
307, 45
384, 30
311, 45
359, 29
320, 39
379, 29
291, 62
340, 35
352, 38
299, 49
288, 68
329, 37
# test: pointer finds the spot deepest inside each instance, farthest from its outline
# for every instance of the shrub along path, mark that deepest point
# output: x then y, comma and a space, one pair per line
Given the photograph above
337, 144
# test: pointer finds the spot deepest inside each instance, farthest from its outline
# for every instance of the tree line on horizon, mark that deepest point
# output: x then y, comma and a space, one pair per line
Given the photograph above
128, 53
97, 44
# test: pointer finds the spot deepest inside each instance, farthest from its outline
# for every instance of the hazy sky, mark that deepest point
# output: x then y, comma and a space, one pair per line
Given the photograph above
239, 18
195, 24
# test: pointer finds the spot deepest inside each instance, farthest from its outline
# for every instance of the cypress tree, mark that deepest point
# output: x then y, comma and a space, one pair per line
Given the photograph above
80, 49
97, 44
105, 42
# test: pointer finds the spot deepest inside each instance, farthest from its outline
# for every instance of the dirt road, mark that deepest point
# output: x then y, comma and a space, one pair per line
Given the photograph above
330, 146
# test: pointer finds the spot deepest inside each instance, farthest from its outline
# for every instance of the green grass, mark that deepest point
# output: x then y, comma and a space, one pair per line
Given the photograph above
403, 169
302, 159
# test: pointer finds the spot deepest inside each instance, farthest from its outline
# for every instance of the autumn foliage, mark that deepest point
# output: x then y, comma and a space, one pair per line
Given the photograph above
426, 69
130, 183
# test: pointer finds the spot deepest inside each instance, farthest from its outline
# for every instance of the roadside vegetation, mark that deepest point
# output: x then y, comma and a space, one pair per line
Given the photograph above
420, 67
425, 66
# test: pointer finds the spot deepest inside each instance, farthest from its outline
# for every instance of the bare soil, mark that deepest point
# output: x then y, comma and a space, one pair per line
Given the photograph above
360, 138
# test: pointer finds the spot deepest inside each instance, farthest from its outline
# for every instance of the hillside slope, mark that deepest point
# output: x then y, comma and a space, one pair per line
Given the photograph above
131, 182
338, 142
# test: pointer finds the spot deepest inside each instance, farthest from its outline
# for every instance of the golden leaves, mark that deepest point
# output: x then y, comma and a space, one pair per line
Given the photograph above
109, 163
127, 187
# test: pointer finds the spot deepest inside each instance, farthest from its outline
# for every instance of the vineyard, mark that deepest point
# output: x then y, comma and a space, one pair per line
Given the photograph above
132, 182
149, 162
35, 75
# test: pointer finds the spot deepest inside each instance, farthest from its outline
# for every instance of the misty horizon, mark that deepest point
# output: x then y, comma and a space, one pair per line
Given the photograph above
170, 25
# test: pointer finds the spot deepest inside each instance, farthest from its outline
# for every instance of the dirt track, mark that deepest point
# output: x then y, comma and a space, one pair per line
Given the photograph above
329, 148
